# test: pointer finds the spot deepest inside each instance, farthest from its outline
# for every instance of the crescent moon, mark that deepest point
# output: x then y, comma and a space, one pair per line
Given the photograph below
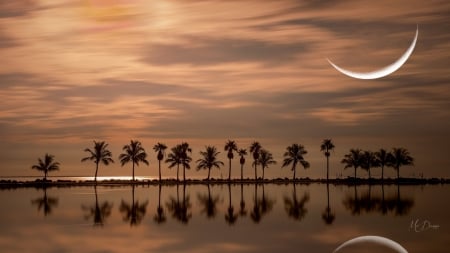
374, 239
384, 71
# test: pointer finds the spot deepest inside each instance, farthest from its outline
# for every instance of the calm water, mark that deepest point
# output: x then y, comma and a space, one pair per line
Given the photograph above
222, 218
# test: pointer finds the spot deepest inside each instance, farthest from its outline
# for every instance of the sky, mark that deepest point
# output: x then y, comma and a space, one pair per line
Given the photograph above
208, 71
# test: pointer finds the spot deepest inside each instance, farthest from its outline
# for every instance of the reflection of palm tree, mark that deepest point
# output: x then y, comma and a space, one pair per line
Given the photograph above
98, 212
46, 165
160, 148
99, 154
242, 211
135, 212
400, 157
265, 159
255, 214
296, 208
326, 146
230, 216
261, 206
402, 206
255, 149
242, 152
328, 216
209, 204
46, 203
294, 154
134, 153
159, 217
353, 204
352, 159
209, 160
230, 146
180, 210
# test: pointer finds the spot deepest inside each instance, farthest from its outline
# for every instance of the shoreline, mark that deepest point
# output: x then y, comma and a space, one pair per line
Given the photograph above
40, 183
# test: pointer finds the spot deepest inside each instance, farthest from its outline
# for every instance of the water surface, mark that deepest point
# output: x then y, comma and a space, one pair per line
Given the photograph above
223, 218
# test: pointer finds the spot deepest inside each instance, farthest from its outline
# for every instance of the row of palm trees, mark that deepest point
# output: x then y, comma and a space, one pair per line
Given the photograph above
179, 155
366, 160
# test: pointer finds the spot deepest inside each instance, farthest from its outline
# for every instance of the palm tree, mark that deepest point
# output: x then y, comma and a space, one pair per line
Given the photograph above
99, 154
327, 146
160, 148
242, 152
401, 156
265, 159
294, 154
255, 149
46, 165
230, 216
230, 146
209, 159
185, 158
99, 213
174, 158
368, 161
135, 153
384, 159
352, 159
135, 212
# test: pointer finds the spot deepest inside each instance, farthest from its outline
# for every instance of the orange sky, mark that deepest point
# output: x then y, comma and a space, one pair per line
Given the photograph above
206, 71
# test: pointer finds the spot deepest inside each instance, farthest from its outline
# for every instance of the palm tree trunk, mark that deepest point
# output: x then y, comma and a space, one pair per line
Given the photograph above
133, 175
382, 173
96, 170
355, 172
178, 169
263, 173
45, 175
293, 168
229, 171
398, 173
209, 172
184, 173
369, 172
159, 166
256, 177
327, 166
242, 172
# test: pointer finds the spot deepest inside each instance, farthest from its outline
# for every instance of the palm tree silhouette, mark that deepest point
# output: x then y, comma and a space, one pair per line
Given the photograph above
265, 159
294, 154
209, 204
97, 212
160, 216
100, 153
368, 161
242, 152
400, 157
384, 158
230, 146
185, 158
352, 159
134, 213
180, 210
266, 203
242, 211
230, 217
255, 149
209, 159
328, 216
326, 146
296, 208
255, 214
46, 165
135, 153
174, 158
159, 148
45, 203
